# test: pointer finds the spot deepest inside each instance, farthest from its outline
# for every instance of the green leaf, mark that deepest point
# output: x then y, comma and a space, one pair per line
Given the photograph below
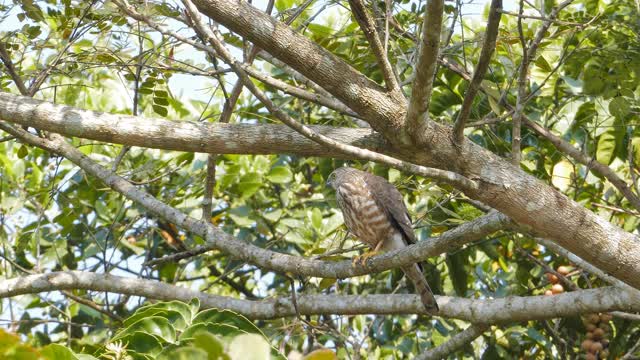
160, 110
606, 147
185, 353
58, 352
635, 145
619, 107
154, 325
456, 264
280, 175
316, 218
282, 5
249, 347
219, 329
585, 115
326, 283
12, 348
177, 312
543, 64
160, 101
23, 152
161, 94
226, 317
144, 343
209, 343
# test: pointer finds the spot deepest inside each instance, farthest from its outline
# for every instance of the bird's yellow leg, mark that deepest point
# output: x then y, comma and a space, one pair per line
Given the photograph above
362, 259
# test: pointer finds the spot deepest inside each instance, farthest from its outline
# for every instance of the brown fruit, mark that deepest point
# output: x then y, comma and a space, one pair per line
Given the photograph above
595, 347
598, 333
563, 270
552, 278
590, 327
586, 345
557, 289
548, 293
590, 356
594, 318
589, 335
606, 317
605, 327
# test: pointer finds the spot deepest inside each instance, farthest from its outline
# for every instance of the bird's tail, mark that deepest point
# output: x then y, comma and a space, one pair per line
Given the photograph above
422, 288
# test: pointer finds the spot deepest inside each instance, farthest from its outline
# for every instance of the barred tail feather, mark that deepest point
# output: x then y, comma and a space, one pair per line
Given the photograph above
414, 274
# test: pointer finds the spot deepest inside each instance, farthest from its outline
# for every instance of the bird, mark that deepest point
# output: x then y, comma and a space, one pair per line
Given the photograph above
374, 211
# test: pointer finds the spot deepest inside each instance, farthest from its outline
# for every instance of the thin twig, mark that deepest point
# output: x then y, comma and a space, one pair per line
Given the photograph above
520, 15
11, 70
456, 342
209, 184
488, 46
516, 137
367, 25
548, 269
629, 354
198, 250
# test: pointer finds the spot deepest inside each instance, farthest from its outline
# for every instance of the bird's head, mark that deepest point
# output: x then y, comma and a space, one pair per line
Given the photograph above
339, 175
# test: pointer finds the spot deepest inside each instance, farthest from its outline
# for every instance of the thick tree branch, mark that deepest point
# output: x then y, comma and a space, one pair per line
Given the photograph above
418, 111
503, 310
179, 135
456, 342
448, 241
488, 46
367, 25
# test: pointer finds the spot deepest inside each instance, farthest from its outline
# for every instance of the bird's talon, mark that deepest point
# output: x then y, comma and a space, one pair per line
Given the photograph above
361, 260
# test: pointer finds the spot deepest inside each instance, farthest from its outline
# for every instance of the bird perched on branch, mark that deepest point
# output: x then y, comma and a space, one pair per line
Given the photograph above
374, 211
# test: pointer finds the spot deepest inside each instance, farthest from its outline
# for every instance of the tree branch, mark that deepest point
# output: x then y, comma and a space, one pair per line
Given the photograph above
456, 342
493, 311
179, 135
488, 46
417, 115
368, 27
11, 70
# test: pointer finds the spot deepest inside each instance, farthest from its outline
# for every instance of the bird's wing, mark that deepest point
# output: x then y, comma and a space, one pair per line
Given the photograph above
389, 199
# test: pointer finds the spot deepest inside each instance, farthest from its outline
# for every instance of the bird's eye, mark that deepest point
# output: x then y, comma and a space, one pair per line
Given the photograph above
330, 179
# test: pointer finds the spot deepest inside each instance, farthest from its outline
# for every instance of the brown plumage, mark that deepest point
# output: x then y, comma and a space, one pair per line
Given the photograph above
374, 211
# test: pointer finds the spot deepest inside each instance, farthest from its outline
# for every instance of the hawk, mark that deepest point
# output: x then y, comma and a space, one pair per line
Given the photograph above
374, 211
